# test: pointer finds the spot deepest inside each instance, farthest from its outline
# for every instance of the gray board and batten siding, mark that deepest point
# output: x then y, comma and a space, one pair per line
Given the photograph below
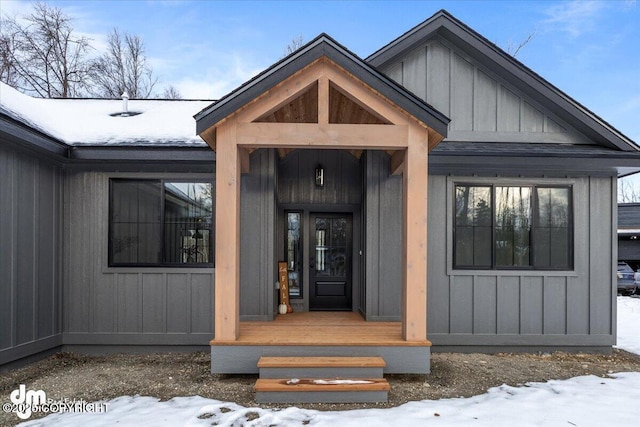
489, 310
122, 307
482, 105
126, 306
31, 200
160, 306
258, 297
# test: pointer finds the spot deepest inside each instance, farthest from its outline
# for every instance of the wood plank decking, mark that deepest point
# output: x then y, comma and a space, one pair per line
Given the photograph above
321, 328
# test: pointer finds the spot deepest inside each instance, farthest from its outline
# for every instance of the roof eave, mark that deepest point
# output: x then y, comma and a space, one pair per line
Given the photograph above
17, 132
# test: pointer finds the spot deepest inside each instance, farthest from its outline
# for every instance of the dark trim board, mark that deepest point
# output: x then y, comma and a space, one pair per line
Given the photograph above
134, 339
132, 349
523, 340
27, 360
238, 359
490, 349
23, 351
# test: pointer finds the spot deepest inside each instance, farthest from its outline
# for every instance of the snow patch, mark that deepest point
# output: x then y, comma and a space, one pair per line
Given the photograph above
332, 382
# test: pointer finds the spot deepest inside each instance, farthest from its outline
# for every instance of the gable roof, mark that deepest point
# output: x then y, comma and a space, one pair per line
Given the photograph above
443, 25
323, 45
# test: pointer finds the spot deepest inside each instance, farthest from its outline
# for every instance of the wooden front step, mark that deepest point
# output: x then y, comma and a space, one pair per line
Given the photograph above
332, 379
314, 390
321, 367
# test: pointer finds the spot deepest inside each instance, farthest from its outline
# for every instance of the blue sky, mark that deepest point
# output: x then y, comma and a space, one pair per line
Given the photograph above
589, 49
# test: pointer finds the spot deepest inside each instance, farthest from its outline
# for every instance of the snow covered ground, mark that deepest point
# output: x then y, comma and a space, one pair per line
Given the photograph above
580, 401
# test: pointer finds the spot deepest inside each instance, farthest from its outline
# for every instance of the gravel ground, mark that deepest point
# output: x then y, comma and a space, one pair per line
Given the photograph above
167, 375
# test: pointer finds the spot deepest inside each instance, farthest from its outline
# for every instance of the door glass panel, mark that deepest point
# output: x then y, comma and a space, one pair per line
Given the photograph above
294, 254
321, 248
331, 247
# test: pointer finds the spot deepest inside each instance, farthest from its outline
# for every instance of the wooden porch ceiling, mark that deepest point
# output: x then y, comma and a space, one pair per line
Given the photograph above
343, 109
321, 328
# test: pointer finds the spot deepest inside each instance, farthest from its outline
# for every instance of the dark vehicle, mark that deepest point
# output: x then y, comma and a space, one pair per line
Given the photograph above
626, 279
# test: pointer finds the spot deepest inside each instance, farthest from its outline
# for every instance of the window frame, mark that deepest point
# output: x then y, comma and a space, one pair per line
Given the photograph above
534, 206
161, 263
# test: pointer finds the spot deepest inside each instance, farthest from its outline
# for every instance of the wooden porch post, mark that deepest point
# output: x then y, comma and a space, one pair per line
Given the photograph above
415, 185
227, 271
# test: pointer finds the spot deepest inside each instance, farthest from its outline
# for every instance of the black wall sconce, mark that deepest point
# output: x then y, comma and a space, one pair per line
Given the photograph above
319, 176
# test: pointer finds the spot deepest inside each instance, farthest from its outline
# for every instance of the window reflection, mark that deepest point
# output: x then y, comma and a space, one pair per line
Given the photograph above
331, 247
513, 224
294, 254
187, 226
473, 226
157, 222
513, 227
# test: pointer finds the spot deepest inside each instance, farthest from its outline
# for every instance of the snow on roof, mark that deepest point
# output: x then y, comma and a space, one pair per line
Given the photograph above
92, 121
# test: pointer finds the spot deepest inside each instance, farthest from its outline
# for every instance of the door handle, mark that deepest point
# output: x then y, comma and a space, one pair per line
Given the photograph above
311, 263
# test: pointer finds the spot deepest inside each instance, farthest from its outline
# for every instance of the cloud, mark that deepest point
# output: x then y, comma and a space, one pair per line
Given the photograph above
573, 17
12, 8
216, 81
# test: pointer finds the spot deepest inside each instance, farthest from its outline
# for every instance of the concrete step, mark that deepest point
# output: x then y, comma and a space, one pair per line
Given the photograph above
321, 367
316, 390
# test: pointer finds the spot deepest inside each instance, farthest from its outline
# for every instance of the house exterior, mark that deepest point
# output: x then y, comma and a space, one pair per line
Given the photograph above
628, 233
439, 189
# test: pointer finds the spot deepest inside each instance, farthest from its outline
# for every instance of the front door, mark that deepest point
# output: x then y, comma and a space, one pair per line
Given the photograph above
330, 261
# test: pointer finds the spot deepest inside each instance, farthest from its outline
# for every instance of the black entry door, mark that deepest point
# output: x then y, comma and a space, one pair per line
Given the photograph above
330, 262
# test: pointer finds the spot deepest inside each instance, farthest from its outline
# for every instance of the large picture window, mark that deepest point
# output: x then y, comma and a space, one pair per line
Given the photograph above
160, 223
513, 227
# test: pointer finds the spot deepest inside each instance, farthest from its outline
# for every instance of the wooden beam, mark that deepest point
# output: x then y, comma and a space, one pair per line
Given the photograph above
311, 135
227, 277
356, 153
397, 162
323, 100
282, 93
415, 180
245, 161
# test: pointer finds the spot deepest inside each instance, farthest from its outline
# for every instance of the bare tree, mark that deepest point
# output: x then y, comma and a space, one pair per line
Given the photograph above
628, 192
42, 56
295, 44
124, 68
513, 50
8, 72
171, 92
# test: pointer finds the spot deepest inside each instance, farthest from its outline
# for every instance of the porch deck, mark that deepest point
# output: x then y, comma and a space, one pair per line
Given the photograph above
321, 328
320, 334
